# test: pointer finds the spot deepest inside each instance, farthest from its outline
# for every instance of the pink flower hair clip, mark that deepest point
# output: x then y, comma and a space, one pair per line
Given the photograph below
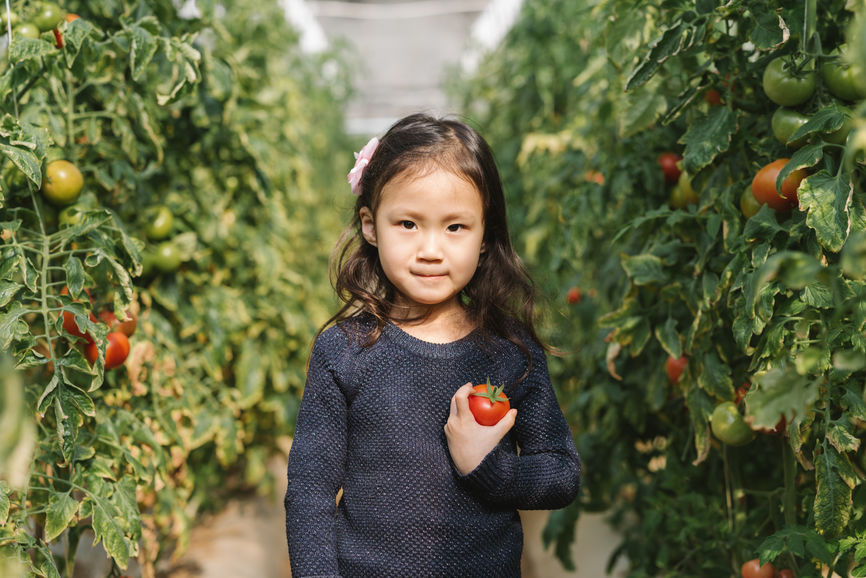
362, 159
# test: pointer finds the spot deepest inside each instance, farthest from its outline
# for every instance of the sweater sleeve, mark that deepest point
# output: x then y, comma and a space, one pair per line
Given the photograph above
315, 471
545, 474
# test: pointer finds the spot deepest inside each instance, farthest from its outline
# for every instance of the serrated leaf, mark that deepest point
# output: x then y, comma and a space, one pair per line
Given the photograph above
700, 406
670, 43
26, 161
108, 529
715, 377
142, 48
777, 392
833, 498
770, 30
59, 513
74, 275
644, 269
23, 49
669, 338
826, 199
842, 439
8, 291
805, 157
828, 119
707, 137
801, 541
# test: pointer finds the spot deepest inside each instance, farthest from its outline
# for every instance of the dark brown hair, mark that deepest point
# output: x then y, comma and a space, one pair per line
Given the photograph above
499, 298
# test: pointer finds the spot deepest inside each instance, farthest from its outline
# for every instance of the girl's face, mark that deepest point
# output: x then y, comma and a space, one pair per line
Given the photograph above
429, 232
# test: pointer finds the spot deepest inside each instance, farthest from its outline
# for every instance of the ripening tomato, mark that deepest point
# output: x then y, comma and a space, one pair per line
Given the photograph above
712, 97
574, 295
753, 569
669, 162
488, 404
785, 85
764, 185
126, 327
161, 222
27, 30
729, 426
785, 123
62, 182
675, 366
841, 79
116, 350
786, 573
47, 16
749, 205
70, 327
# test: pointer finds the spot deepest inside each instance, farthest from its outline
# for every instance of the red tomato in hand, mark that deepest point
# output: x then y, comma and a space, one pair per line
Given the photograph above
675, 367
116, 350
669, 164
764, 186
488, 404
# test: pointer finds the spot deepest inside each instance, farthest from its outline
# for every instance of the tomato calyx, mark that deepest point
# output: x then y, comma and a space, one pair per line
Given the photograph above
493, 394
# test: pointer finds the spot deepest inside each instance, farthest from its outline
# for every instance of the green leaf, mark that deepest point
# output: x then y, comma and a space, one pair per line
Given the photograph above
142, 48
74, 275
842, 439
778, 392
833, 498
798, 540
669, 338
827, 198
108, 528
5, 502
770, 30
715, 377
828, 119
707, 137
26, 161
644, 269
671, 42
8, 291
59, 514
805, 157
24, 49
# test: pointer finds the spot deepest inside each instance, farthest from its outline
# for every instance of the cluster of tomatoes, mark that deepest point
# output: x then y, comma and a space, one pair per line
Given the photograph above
791, 84
40, 17
117, 344
682, 192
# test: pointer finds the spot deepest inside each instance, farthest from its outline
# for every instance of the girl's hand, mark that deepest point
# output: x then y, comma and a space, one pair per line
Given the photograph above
469, 441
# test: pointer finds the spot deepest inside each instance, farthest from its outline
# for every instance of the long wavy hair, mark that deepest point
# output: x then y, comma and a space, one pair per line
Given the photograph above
500, 297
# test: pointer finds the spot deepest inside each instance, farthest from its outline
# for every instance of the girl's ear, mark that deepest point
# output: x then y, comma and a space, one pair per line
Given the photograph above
368, 226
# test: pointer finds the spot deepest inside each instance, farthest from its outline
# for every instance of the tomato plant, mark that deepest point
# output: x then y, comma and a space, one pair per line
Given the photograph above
214, 371
574, 295
752, 294
488, 403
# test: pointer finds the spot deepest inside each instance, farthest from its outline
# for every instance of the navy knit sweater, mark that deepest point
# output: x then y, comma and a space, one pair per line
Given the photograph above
371, 422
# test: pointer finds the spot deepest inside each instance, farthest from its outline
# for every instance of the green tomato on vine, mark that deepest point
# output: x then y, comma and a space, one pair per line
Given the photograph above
786, 85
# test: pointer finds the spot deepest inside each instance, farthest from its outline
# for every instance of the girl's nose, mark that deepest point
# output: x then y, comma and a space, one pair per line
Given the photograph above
431, 247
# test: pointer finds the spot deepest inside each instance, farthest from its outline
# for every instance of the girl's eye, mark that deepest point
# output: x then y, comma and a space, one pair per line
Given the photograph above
455, 227
407, 224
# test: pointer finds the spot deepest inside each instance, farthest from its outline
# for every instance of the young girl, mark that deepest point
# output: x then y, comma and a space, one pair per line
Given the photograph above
435, 300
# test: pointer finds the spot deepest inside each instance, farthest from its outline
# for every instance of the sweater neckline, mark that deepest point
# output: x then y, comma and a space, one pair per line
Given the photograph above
428, 348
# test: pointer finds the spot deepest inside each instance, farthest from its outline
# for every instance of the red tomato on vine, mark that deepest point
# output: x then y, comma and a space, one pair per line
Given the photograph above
753, 569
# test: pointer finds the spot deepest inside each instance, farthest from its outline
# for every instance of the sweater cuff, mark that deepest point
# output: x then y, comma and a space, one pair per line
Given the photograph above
494, 474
